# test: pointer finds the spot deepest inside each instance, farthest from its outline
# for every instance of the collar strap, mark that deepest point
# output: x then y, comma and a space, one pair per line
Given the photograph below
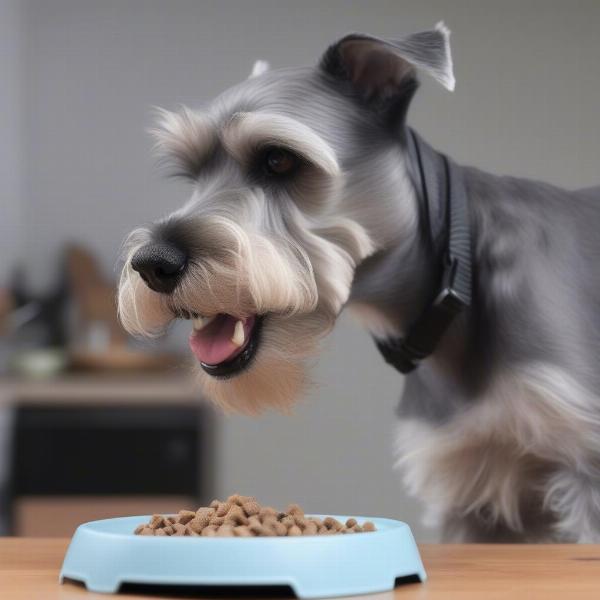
443, 200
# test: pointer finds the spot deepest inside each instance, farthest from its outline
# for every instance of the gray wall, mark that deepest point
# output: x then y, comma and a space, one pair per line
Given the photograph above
10, 133
526, 103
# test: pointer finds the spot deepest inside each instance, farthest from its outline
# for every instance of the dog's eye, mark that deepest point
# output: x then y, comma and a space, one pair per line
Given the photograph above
278, 161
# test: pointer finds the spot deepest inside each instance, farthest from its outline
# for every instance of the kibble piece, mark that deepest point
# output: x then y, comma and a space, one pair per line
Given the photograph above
185, 516
294, 509
251, 508
242, 531
257, 528
223, 509
246, 499
147, 531
218, 521
368, 526
226, 530
233, 499
178, 529
300, 521
237, 516
139, 529
210, 531
288, 521
311, 528
350, 522
267, 510
160, 532
199, 522
280, 529
294, 530
156, 521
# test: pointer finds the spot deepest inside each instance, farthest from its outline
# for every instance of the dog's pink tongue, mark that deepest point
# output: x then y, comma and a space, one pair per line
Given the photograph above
212, 345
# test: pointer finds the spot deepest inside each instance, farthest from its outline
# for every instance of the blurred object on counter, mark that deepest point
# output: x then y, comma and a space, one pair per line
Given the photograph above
33, 329
99, 341
40, 363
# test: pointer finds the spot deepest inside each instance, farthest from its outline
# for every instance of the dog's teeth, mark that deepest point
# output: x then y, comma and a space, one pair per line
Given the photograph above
201, 322
238, 335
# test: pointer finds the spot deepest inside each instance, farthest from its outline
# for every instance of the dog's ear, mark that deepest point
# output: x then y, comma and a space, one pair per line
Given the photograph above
384, 72
260, 67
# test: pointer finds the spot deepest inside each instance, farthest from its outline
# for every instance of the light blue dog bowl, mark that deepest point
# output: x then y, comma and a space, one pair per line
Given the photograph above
106, 554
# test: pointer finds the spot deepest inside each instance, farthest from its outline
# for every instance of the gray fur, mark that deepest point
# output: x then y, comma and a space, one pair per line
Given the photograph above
499, 430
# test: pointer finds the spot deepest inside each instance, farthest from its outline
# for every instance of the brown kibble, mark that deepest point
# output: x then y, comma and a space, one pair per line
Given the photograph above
254, 521
237, 516
235, 499
246, 499
267, 511
223, 509
257, 529
270, 521
300, 521
311, 528
243, 516
288, 521
205, 510
185, 516
199, 522
242, 531
218, 521
251, 508
156, 521
210, 531
226, 530
294, 509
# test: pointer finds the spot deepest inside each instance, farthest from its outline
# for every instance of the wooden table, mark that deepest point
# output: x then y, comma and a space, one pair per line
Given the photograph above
29, 571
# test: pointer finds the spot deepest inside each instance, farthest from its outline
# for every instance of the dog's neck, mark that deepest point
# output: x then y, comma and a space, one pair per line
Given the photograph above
410, 292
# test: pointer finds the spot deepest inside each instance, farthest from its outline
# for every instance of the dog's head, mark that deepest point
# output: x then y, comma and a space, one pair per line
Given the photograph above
296, 175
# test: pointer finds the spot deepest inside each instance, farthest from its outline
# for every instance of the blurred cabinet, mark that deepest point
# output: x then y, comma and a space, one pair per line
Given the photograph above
130, 453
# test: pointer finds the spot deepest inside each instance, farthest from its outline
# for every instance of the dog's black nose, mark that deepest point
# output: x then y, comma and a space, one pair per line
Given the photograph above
160, 265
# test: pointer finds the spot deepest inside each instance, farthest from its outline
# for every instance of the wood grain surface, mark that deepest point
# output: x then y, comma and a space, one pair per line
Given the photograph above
29, 570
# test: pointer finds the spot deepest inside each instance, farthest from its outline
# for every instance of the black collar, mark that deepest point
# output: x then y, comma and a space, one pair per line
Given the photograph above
443, 205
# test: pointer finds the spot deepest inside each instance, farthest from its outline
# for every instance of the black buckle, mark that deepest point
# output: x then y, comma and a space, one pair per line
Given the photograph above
406, 354
449, 300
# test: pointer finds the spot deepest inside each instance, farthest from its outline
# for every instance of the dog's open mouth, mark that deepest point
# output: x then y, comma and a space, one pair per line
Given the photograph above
223, 344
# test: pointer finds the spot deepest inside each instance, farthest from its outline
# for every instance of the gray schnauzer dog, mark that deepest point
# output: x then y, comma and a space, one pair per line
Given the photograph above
311, 194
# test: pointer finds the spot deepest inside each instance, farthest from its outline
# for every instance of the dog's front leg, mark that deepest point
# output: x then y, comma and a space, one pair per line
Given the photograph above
574, 498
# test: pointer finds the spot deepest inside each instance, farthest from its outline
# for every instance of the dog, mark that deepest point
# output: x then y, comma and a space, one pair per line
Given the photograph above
311, 194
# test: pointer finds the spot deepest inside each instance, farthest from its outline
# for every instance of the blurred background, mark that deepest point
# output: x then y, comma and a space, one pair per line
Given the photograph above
95, 424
